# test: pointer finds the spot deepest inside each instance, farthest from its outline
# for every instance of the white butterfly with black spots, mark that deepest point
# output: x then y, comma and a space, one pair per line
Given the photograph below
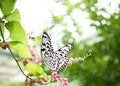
54, 60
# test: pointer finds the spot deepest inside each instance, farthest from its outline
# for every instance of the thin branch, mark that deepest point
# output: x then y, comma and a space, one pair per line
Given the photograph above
18, 63
13, 54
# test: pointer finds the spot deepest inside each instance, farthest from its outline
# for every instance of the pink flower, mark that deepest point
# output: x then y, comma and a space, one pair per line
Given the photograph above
64, 82
30, 35
39, 62
25, 61
36, 60
45, 80
33, 53
32, 82
42, 81
55, 77
70, 61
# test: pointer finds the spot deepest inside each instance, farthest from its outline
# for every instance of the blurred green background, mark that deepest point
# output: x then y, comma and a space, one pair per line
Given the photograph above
103, 67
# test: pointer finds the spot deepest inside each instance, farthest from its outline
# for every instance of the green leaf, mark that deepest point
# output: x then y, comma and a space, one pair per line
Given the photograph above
17, 32
35, 69
1, 28
14, 16
7, 6
21, 49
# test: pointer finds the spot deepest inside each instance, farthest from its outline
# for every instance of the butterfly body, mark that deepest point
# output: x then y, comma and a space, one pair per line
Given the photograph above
54, 60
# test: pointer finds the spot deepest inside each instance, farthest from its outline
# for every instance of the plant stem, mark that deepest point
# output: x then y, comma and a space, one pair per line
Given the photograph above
18, 63
12, 53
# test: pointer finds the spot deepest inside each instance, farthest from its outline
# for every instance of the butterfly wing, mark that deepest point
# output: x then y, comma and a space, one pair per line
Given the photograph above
46, 48
47, 53
46, 45
61, 56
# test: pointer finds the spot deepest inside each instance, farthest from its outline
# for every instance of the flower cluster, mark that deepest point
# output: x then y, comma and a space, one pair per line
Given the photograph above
30, 35
32, 53
32, 82
73, 60
64, 82
55, 77
42, 81
35, 59
25, 61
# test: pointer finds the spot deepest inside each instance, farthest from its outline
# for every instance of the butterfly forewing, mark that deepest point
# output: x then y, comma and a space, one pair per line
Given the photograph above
46, 46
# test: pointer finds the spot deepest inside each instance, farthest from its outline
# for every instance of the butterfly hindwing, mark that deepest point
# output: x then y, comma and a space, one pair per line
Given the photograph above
61, 56
62, 52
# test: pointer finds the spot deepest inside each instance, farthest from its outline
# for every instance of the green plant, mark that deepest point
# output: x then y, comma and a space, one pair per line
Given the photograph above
17, 42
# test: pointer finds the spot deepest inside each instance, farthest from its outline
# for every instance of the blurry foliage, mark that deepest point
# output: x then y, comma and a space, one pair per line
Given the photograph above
102, 68
106, 52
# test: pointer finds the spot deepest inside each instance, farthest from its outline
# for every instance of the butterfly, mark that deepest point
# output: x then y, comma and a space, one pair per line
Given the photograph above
54, 60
